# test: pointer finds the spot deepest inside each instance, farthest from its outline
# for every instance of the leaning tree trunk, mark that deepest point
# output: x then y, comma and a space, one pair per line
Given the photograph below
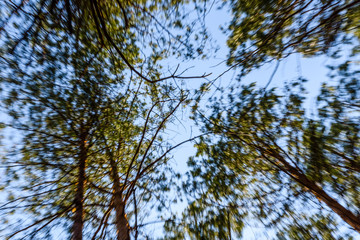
121, 222
344, 213
79, 196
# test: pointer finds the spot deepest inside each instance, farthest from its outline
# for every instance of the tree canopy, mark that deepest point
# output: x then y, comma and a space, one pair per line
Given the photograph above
90, 88
269, 159
261, 31
92, 121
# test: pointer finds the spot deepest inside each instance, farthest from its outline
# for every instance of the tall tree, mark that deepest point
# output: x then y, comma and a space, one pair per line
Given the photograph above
74, 84
266, 160
80, 129
61, 108
272, 161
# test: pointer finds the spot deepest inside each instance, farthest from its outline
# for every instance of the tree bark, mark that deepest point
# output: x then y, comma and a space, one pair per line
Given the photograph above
121, 222
79, 196
345, 214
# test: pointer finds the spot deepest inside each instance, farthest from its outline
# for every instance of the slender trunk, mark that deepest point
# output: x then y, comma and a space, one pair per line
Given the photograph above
229, 224
122, 225
345, 214
79, 196
136, 216
121, 222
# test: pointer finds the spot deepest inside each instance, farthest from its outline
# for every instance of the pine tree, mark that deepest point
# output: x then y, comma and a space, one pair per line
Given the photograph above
273, 162
92, 121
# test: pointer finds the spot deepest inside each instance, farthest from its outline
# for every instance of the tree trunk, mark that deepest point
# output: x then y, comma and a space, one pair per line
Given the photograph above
121, 222
79, 196
345, 214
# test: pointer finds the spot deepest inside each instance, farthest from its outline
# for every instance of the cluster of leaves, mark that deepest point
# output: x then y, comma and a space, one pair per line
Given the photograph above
158, 28
261, 31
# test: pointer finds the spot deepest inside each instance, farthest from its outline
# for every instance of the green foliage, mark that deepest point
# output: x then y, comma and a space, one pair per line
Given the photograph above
264, 30
267, 155
86, 88
74, 88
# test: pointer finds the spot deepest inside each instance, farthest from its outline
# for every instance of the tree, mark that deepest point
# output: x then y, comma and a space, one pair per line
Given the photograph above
59, 120
80, 129
92, 120
272, 161
266, 160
